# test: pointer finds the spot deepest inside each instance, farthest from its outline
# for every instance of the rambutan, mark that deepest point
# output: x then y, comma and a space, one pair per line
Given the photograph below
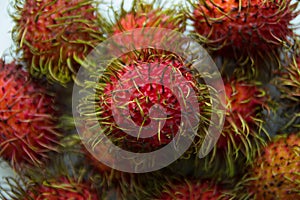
53, 35
144, 15
243, 133
198, 190
28, 118
244, 103
143, 97
248, 27
276, 173
137, 108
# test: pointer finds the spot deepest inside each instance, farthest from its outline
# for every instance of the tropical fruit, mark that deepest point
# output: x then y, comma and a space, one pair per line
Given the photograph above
28, 118
154, 21
145, 15
245, 102
149, 114
53, 35
276, 173
242, 135
251, 32
251, 25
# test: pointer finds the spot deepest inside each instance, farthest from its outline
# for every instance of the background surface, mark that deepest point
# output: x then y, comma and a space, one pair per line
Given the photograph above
6, 43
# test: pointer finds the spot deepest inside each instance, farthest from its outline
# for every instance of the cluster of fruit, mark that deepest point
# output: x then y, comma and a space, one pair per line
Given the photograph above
256, 50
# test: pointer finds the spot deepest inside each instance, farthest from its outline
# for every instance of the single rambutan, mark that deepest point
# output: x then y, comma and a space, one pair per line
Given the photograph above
276, 173
245, 101
150, 85
248, 27
28, 117
152, 133
53, 35
143, 15
198, 190
243, 132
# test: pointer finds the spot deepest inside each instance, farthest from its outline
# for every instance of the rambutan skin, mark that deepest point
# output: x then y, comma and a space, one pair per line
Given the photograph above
254, 26
147, 16
53, 35
28, 118
276, 173
244, 103
242, 135
140, 103
141, 16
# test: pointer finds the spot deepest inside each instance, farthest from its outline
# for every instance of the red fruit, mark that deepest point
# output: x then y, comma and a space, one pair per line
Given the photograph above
142, 16
244, 103
143, 95
248, 26
242, 134
52, 35
146, 16
61, 189
140, 105
276, 173
192, 191
27, 117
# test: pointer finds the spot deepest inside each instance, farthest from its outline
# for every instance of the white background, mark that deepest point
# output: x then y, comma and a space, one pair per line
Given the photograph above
6, 25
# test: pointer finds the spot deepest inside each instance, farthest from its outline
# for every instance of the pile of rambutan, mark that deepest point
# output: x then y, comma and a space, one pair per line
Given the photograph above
62, 147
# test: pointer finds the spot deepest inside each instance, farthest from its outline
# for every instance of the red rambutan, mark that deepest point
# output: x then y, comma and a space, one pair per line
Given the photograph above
53, 35
243, 133
244, 103
143, 97
276, 173
144, 15
27, 117
250, 27
149, 119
